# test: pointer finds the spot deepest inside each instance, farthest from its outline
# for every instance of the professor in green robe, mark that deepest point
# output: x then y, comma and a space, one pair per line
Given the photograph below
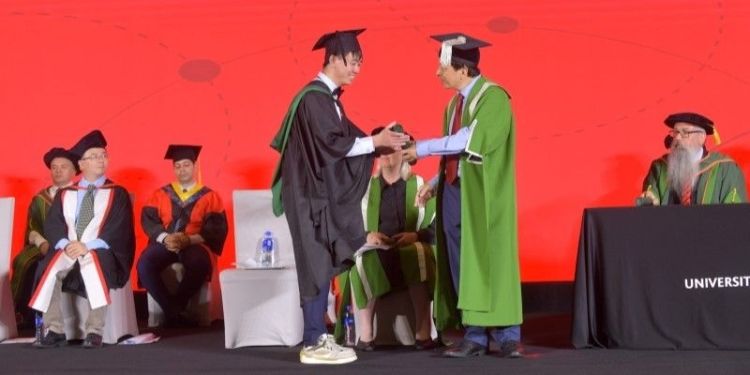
63, 167
477, 244
689, 174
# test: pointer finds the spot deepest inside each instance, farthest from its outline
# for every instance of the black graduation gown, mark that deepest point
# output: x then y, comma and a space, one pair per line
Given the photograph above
116, 230
322, 191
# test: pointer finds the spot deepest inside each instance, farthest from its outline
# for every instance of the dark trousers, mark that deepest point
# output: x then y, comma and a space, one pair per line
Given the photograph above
156, 258
451, 206
313, 314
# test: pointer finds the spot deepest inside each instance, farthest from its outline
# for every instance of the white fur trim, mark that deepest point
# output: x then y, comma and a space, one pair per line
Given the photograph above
420, 215
446, 50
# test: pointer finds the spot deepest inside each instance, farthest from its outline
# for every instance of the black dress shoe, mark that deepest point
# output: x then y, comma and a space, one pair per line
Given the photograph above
365, 346
428, 344
51, 340
92, 341
510, 349
180, 320
466, 349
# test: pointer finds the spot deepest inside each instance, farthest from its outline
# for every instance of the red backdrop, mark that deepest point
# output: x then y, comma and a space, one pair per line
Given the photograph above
591, 82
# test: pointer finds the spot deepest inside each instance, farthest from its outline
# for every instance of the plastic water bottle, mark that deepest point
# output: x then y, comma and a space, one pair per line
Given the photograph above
267, 247
39, 327
350, 332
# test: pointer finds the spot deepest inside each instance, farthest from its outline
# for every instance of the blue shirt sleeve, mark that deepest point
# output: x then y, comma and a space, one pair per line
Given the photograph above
97, 243
62, 243
448, 145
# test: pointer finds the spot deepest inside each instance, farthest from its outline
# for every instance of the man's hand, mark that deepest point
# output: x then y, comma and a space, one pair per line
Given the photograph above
405, 238
183, 240
76, 249
377, 238
174, 241
388, 139
44, 248
423, 195
410, 154
648, 194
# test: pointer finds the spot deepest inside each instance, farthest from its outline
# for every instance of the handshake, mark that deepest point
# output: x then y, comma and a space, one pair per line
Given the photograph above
392, 138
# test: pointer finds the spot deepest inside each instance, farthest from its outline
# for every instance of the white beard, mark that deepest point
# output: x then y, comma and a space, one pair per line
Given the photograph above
682, 168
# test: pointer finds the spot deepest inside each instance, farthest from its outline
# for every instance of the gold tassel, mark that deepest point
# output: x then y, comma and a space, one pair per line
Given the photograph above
200, 175
717, 139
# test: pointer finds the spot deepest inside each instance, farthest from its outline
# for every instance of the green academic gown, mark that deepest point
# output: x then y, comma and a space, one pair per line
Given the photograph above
368, 279
489, 287
720, 180
26, 260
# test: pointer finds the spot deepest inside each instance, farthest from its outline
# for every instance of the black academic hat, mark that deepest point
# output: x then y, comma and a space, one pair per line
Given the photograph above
691, 118
459, 48
59, 152
180, 152
340, 42
90, 140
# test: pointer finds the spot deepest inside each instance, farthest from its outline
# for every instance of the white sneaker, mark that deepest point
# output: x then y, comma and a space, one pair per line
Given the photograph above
326, 352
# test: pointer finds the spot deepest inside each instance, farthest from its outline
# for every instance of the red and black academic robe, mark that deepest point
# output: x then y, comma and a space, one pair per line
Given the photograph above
322, 190
112, 222
202, 213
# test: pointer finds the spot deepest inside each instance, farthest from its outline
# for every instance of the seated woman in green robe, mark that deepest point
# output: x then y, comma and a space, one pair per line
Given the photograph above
406, 260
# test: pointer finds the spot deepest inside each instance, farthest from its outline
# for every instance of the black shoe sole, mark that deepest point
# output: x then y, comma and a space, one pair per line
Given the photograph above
55, 345
473, 354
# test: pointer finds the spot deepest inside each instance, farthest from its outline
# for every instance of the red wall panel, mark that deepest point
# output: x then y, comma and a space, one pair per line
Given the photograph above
591, 82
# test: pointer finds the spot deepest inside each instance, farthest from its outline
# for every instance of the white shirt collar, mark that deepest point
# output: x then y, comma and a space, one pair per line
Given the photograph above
54, 188
698, 155
466, 90
327, 80
98, 183
187, 187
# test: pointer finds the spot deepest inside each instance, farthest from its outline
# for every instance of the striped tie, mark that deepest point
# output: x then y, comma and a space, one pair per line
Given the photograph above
87, 211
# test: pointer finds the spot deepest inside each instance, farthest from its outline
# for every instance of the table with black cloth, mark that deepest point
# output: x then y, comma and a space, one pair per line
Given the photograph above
671, 277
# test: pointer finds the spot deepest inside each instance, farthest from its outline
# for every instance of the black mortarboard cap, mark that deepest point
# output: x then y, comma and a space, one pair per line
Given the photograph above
90, 140
464, 48
691, 118
339, 42
59, 152
180, 152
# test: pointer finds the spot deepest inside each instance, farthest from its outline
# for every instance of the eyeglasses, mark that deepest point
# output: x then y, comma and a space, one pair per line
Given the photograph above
96, 157
684, 133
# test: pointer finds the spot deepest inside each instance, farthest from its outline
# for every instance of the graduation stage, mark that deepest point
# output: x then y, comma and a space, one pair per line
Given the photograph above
546, 340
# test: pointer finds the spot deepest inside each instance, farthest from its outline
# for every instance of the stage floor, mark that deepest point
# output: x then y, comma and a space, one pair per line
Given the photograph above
546, 340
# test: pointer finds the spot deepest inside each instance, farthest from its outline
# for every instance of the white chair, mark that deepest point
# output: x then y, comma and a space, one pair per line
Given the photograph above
7, 313
204, 306
120, 321
261, 306
393, 320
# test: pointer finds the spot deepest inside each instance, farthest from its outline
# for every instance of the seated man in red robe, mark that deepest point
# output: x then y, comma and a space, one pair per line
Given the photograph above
186, 223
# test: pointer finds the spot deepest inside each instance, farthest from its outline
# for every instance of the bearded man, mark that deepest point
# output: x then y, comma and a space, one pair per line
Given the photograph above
690, 174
